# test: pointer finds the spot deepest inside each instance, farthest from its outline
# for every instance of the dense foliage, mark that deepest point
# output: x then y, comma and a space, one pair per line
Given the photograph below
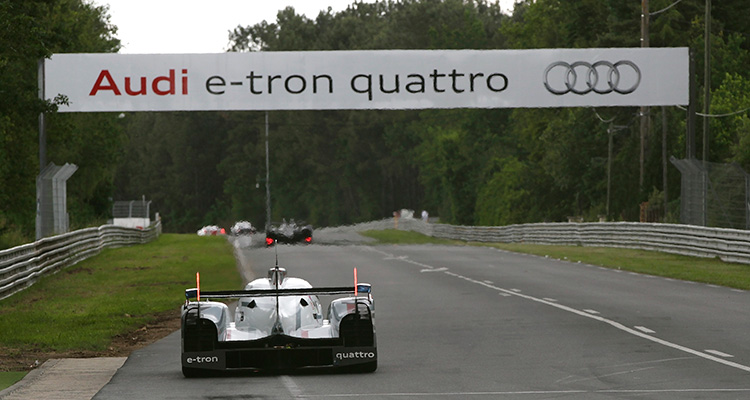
488, 167
31, 30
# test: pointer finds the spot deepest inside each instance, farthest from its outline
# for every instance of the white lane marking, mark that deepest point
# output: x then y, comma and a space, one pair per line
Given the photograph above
490, 282
534, 393
389, 256
434, 269
636, 332
549, 299
617, 325
569, 381
590, 311
644, 329
718, 353
452, 394
292, 387
571, 378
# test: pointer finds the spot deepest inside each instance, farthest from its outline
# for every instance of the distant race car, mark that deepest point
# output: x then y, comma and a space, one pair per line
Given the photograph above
211, 230
242, 228
278, 325
289, 232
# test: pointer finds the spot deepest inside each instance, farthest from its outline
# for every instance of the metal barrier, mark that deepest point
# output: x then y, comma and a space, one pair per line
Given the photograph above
730, 245
21, 266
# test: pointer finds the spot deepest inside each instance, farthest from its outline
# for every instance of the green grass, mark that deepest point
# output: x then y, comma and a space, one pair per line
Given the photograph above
82, 308
392, 236
696, 269
7, 379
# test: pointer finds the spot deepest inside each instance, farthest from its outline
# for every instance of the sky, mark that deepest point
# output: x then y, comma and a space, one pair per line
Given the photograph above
200, 26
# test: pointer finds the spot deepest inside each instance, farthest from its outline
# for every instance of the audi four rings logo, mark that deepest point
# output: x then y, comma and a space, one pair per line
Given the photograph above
622, 77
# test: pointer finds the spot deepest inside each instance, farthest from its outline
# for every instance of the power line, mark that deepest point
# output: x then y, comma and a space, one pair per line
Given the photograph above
717, 115
665, 9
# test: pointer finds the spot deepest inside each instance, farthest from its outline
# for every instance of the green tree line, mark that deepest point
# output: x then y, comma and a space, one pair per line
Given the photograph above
467, 166
31, 30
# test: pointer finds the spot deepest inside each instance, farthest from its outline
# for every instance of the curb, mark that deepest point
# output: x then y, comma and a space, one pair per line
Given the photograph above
65, 379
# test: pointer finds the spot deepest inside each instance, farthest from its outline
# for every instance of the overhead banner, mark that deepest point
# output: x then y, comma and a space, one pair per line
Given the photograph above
377, 79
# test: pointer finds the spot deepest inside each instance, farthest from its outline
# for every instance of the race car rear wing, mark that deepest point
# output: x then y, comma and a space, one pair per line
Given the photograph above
234, 294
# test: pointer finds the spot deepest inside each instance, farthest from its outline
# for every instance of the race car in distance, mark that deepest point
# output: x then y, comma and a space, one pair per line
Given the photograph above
211, 230
278, 326
289, 232
242, 228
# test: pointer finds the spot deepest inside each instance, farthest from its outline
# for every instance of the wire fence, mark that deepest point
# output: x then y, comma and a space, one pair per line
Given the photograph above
714, 194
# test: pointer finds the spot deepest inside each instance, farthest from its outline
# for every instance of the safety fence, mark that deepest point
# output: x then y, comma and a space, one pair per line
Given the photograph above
730, 245
21, 266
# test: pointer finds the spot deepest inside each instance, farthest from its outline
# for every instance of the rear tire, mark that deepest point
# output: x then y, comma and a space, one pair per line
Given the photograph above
192, 372
365, 368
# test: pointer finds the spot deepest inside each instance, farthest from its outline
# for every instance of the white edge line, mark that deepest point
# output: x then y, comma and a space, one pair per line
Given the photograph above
644, 329
719, 353
616, 325
292, 387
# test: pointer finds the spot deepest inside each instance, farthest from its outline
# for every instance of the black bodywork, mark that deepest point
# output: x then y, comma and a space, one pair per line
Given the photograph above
289, 233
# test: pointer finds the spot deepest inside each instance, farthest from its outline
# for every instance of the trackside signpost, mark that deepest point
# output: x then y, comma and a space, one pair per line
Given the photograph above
360, 80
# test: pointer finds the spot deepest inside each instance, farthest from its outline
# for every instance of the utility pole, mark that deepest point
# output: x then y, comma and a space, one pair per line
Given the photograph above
643, 110
610, 133
40, 198
690, 140
268, 181
664, 158
42, 128
706, 80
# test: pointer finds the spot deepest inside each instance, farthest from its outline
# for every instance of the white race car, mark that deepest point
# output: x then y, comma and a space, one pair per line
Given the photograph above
278, 325
242, 228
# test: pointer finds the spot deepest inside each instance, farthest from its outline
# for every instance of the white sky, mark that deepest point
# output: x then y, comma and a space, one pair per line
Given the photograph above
201, 26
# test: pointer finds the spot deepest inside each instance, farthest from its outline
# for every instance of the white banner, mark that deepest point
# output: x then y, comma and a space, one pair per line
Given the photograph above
377, 79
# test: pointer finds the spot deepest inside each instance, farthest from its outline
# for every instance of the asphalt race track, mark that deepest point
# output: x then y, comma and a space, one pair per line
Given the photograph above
471, 322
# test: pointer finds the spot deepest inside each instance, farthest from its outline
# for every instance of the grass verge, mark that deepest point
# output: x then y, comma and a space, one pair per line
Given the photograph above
8, 379
84, 309
392, 236
696, 269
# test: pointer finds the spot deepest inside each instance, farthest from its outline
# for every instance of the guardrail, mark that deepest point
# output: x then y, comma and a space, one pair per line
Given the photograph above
730, 245
21, 266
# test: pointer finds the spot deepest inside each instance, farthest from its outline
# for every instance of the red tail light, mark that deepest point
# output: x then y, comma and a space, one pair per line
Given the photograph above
308, 239
269, 241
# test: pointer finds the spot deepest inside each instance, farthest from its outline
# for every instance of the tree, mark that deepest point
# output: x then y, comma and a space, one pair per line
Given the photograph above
31, 31
465, 166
